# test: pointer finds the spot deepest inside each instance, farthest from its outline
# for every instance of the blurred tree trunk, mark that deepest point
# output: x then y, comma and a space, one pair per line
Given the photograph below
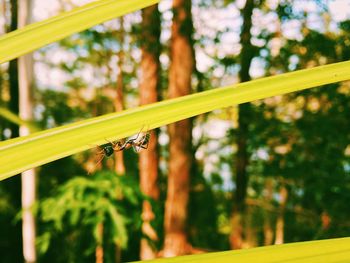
326, 220
118, 102
279, 239
2, 126
99, 249
268, 232
13, 184
149, 88
119, 106
180, 133
2, 31
25, 70
250, 229
13, 74
246, 57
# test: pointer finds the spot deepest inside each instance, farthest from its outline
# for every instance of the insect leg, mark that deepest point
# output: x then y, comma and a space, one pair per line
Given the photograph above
137, 136
98, 162
100, 151
136, 148
144, 146
145, 140
118, 145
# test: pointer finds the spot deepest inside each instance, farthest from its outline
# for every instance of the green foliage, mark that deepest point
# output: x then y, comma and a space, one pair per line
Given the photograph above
57, 109
87, 202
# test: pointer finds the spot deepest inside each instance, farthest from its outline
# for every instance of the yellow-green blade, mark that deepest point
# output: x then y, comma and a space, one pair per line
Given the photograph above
324, 251
10, 116
39, 34
39, 148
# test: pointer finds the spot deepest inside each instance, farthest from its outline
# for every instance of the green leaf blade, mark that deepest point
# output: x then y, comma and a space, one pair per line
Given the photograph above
330, 251
24, 153
39, 34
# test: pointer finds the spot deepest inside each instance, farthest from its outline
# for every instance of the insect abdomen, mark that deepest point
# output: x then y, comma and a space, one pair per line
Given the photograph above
108, 150
146, 140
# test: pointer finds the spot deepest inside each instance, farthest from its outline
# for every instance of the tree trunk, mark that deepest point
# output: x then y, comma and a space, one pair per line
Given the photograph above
25, 70
236, 237
268, 232
99, 249
280, 218
119, 106
13, 184
250, 232
118, 102
326, 220
2, 126
3, 14
2, 31
13, 73
180, 133
149, 87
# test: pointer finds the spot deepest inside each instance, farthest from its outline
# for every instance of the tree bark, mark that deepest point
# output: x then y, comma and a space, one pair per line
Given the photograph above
118, 102
13, 74
2, 31
25, 70
13, 185
148, 162
180, 133
119, 106
242, 158
268, 232
250, 240
279, 239
99, 249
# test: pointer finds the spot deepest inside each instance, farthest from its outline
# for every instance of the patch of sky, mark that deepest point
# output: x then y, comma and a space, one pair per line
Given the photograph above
257, 68
346, 167
339, 9
260, 154
293, 62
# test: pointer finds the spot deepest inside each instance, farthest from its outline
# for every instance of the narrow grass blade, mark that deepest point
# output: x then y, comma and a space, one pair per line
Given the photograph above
39, 34
10, 116
324, 251
39, 148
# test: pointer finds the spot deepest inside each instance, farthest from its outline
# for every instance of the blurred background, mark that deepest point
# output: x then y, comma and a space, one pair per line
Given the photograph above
268, 172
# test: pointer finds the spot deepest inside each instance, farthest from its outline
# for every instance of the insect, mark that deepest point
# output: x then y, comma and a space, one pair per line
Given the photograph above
106, 150
109, 148
138, 143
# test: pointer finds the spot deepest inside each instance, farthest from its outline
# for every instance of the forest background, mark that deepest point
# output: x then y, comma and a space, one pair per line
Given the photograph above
269, 172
